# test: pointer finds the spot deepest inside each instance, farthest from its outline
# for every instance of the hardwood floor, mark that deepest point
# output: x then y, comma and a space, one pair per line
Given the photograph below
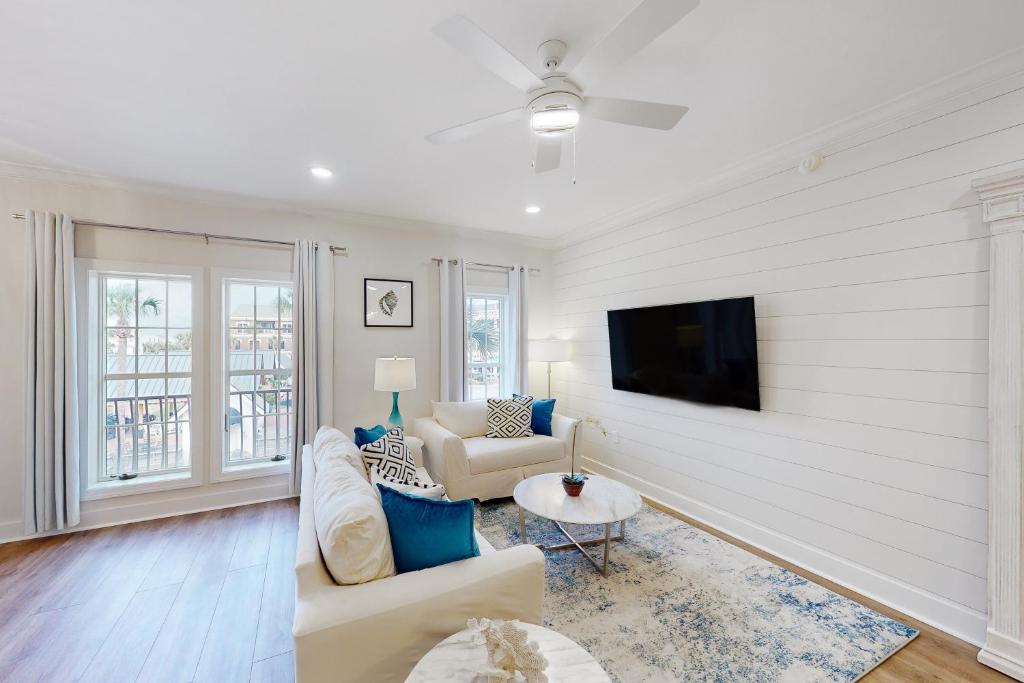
209, 597
204, 597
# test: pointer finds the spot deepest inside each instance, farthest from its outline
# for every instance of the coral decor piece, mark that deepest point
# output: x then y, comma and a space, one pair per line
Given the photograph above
508, 651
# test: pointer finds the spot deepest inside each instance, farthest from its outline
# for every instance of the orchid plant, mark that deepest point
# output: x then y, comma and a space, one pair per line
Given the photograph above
575, 477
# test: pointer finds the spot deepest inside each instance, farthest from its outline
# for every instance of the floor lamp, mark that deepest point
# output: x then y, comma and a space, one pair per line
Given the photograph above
550, 351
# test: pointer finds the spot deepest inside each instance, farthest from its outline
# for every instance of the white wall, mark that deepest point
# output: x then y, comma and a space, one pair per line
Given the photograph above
373, 252
867, 462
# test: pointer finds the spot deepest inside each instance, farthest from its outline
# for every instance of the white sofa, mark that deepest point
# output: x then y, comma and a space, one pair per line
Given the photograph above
470, 465
378, 631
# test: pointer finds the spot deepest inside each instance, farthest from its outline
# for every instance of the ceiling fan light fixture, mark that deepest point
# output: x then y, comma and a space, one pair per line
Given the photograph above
554, 119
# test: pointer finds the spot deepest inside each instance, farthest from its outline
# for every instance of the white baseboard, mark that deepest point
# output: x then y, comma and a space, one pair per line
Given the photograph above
1003, 654
12, 530
936, 611
101, 514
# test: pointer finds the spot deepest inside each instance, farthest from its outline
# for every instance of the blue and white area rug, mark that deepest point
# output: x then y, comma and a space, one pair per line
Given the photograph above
682, 605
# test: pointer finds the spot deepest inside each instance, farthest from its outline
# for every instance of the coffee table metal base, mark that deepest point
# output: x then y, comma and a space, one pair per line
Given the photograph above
579, 544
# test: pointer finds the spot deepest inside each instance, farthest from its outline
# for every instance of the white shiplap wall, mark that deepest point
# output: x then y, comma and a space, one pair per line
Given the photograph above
867, 462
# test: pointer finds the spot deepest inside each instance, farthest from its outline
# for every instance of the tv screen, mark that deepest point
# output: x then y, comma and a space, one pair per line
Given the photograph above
704, 351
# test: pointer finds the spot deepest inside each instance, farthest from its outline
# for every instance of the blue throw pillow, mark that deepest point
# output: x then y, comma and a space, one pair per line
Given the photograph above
543, 409
364, 436
425, 532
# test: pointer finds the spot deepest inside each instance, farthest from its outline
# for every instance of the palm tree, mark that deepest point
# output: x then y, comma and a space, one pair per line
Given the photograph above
121, 302
483, 337
284, 301
121, 305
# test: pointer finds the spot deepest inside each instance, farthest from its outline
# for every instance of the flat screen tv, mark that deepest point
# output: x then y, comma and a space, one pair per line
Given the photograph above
704, 351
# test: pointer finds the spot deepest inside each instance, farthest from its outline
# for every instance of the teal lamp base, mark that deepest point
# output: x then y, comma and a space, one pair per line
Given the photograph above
395, 418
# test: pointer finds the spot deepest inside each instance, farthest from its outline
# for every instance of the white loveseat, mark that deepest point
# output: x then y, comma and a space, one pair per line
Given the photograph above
456, 452
378, 631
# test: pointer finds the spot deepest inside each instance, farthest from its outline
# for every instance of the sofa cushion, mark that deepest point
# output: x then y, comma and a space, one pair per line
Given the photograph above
427, 533
492, 455
351, 526
426, 489
485, 546
364, 435
509, 418
543, 410
415, 445
391, 456
465, 418
333, 443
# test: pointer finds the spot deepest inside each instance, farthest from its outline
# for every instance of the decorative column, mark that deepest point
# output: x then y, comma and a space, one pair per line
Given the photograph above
1003, 209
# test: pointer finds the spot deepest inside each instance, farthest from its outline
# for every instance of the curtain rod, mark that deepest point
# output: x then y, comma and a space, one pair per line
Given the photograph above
186, 233
482, 265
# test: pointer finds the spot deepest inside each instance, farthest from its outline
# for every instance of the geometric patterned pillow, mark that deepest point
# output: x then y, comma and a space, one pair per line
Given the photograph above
509, 418
416, 488
391, 456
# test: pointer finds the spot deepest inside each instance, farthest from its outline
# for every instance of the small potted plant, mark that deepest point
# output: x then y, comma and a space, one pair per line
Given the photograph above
573, 483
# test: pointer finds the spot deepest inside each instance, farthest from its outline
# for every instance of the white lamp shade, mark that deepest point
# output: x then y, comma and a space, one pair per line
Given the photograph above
550, 350
394, 374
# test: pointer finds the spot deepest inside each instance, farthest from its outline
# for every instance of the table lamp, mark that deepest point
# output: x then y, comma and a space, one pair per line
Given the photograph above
394, 375
550, 351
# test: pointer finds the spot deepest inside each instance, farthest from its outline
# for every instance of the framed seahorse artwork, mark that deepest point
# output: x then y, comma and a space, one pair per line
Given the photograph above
387, 303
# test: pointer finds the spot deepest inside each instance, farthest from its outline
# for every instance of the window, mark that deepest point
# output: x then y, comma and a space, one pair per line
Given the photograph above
144, 331
485, 324
258, 408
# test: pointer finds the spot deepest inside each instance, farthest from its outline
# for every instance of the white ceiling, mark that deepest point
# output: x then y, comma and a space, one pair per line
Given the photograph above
242, 96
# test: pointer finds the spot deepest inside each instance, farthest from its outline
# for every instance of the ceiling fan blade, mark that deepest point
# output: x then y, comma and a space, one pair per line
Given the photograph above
465, 130
548, 155
470, 40
647, 21
635, 112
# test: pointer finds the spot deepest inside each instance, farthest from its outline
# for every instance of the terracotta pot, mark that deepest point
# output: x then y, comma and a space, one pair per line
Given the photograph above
573, 489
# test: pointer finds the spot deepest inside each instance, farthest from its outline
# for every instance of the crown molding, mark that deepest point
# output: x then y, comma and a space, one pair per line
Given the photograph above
346, 219
993, 77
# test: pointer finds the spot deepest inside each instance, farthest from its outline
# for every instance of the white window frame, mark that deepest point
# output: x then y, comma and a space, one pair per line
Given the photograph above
91, 347
220, 470
501, 293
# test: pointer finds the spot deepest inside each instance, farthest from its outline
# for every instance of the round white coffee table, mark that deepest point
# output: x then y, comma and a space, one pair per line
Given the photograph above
457, 659
602, 501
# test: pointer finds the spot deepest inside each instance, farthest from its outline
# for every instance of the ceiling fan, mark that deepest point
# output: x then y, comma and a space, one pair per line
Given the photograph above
555, 101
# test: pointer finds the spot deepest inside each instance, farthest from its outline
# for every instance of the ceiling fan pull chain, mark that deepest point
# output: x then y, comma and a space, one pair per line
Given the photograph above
573, 156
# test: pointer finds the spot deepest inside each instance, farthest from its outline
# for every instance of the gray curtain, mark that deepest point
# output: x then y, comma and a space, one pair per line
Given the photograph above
313, 360
51, 397
453, 329
519, 317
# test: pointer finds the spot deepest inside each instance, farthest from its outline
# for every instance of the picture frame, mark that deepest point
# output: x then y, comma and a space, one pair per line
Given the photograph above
387, 302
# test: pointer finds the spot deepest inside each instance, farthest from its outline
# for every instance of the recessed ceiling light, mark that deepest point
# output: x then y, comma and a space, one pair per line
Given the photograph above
321, 172
533, 208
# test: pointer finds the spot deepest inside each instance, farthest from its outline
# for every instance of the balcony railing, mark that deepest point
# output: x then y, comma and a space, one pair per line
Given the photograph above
259, 425
147, 435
